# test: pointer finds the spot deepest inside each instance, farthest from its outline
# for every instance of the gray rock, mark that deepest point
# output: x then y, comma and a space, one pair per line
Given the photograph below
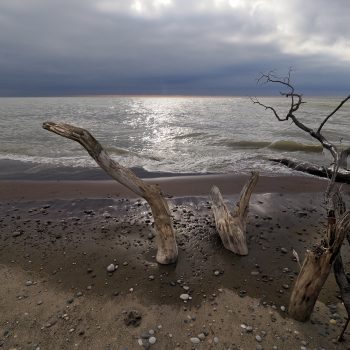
195, 340
184, 296
111, 268
258, 338
152, 340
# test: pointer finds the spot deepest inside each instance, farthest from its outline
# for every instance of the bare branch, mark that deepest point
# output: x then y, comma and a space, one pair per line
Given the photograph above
256, 101
331, 114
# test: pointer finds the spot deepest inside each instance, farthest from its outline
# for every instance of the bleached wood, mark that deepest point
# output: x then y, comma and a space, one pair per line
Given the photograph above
232, 226
167, 248
315, 270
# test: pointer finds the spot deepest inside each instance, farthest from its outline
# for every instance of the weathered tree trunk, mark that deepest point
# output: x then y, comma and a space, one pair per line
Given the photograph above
343, 175
315, 270
167, 247
232, 227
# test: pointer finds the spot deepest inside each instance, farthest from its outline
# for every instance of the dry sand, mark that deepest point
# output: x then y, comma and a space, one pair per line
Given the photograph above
57, 238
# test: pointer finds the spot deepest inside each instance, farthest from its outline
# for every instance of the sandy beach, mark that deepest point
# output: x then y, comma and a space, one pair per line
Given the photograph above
58, 237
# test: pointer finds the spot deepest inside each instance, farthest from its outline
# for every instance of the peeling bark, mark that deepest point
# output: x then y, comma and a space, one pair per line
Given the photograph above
232, 226
167, 248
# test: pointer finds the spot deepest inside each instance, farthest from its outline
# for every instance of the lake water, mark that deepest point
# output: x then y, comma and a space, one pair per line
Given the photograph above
165, 134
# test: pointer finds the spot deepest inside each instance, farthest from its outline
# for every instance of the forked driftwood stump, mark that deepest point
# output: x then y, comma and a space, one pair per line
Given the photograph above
232, 226
167, 247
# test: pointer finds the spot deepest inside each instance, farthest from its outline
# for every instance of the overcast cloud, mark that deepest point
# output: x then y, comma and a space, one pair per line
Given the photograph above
64, 47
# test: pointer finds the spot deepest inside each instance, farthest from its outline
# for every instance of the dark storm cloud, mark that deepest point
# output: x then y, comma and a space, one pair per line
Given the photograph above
51, 47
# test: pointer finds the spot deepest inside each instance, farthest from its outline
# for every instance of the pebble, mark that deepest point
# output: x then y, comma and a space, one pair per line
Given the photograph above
195, 340
184, 297
216, 340
111, 268
333, 321
284, 250
29, 283
283, 308
152, 340
216, 272
17, 233
258, 338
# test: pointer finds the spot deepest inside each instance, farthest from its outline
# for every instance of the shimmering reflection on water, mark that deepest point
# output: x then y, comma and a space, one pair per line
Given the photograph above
176, 134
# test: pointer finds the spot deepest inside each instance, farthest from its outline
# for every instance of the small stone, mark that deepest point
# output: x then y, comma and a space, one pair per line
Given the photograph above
17, 233
184, 297
29, 283
216, 272
216, 340
258, 338
249, 329
284, 250
151, 277
283, 308
111, 268
201, 336
333, 321
152, 340
195, 340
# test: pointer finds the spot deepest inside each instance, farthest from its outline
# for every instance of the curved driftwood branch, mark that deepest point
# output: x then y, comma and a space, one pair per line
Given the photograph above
232, 226
167, 247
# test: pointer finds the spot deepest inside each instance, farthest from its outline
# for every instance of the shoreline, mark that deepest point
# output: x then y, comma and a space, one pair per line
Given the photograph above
58, 237
178, 186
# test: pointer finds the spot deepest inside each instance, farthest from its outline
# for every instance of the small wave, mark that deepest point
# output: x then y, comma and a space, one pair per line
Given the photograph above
190, 135
124, 152
244, 144
282, 145
293, 146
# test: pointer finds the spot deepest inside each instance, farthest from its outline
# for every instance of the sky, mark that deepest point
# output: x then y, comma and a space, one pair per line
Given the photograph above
185, 47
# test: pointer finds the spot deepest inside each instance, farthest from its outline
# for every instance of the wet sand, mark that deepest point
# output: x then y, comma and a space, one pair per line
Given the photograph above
57, 238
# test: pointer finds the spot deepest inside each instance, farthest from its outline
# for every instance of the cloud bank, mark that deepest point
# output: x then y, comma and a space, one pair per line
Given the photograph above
65, 47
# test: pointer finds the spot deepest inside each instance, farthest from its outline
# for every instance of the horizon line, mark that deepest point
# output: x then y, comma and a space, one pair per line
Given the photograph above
160, 95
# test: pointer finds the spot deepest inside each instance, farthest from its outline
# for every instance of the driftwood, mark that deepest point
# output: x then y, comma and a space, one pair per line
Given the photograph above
232, 226
318, 262
342, 175
167, 248
315, 270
